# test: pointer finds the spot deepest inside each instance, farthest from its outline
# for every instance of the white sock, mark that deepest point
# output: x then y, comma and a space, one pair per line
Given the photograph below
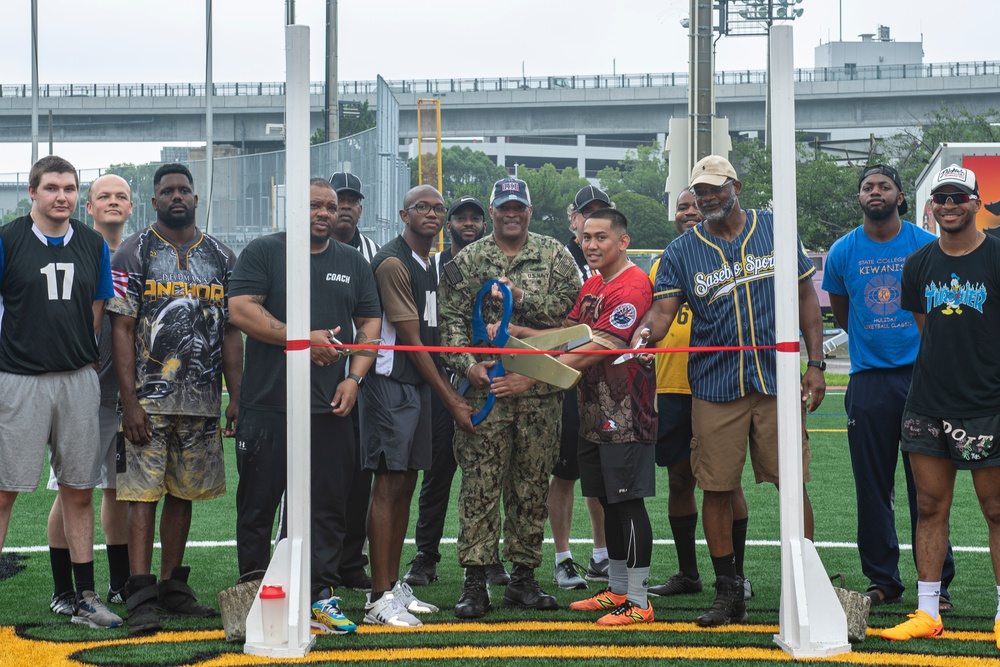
929, 597
563, 555
997, 618
600, 554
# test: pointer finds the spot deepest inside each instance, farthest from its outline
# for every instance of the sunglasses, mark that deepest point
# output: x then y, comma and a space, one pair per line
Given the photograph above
942, 198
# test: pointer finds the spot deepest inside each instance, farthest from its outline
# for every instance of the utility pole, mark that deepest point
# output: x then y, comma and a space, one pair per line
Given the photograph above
701, 73
332, 115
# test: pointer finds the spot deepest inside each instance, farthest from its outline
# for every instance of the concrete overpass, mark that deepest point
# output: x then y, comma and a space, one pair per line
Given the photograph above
581, 117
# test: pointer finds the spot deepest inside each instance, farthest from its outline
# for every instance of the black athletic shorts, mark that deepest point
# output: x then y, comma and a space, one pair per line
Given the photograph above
617, 472
673, 437
567, 466
971, 443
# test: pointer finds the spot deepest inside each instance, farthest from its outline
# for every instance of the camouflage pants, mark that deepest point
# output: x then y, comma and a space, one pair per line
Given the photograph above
511, 454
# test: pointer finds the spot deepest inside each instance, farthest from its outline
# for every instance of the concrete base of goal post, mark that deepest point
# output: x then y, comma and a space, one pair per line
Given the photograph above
812, 622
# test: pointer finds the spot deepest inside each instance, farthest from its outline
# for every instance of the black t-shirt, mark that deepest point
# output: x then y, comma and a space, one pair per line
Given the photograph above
341, 287
47, 295
403, 285
957, 371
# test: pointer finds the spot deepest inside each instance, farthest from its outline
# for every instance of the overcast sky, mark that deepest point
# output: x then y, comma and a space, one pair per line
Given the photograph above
147, 41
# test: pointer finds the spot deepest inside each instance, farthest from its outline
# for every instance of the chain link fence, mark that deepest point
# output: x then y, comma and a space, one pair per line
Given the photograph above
248, 198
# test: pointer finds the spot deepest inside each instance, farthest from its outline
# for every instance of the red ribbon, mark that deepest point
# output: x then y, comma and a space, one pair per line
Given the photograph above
296, 345
497, 350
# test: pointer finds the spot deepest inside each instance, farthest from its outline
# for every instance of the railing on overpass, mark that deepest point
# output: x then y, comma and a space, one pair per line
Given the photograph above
494, 84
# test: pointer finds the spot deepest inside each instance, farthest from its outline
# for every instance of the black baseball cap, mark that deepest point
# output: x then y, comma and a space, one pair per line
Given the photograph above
467, 200
588, 194
341, 181
885, 171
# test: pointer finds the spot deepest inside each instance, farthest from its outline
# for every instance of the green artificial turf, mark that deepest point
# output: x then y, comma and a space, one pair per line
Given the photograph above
26, 595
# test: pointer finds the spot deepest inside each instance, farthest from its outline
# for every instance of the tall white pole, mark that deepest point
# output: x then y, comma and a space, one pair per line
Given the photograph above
209, 95
34, 81
298, 272
812, 622
290, 563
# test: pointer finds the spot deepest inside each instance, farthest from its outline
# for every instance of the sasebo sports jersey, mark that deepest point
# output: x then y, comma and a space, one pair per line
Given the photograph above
616, 401
730, 288
178, 297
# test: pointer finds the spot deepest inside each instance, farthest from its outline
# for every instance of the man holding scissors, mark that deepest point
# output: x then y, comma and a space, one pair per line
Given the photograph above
617, 419
521, 433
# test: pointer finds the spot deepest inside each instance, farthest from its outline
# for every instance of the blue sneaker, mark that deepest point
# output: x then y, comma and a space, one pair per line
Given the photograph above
328, 619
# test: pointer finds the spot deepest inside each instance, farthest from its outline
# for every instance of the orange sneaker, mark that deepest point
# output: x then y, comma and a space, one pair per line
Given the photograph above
603, 600
996, 632
628, 614
920, 626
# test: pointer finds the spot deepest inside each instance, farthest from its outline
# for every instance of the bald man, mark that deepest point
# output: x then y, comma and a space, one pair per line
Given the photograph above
109, 202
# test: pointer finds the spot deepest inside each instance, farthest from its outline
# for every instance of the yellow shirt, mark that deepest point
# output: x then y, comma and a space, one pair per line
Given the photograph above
671, 369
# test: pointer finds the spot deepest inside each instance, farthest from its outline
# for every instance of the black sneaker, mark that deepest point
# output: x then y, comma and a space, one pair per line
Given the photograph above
423, 570
64, 603
524, 591
177, 599
729, 606
475, 600
496, 575
598, 570
116, 597
679, 584
141, 601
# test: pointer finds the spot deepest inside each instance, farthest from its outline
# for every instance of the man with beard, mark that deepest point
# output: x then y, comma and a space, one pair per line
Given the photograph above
673, 442
171, 344
863, 273
353, 559
952, 416
466, 224
342, 294
734, 394
395, 403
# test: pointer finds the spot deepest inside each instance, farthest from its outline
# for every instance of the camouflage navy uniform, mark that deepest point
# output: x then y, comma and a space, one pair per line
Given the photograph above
515, 448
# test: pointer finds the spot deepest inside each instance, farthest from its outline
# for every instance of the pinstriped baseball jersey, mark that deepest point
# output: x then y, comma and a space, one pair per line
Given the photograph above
730, 288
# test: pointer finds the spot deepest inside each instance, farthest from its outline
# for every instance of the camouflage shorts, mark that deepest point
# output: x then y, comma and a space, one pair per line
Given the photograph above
184, 459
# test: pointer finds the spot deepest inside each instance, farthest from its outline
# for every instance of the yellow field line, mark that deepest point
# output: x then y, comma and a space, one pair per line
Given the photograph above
17, 651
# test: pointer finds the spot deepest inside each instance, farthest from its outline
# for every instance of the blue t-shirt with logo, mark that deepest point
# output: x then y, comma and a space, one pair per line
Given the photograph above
869, 273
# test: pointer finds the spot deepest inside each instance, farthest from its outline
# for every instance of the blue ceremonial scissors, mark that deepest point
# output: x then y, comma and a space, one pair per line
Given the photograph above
542, 367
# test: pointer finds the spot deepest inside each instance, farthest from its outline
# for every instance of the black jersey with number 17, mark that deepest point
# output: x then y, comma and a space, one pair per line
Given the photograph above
47, 294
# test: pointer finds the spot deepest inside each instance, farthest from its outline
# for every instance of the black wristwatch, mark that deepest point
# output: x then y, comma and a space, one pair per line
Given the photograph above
354, 376
817, 364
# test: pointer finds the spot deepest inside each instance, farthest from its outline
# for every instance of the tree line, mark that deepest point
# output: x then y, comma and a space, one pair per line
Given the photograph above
826, 184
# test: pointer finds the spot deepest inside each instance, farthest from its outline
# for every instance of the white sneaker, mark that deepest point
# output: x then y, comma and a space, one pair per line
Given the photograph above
404, 593
388, 610
747, 589
90, 610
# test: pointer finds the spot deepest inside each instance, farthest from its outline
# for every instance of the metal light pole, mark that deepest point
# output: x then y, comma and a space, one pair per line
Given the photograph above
332, 115
209, 129
755, 18
34, 81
